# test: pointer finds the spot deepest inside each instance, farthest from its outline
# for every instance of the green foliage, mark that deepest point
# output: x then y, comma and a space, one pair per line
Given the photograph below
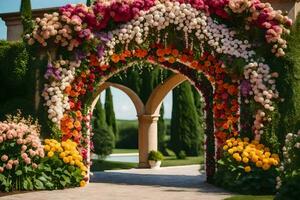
99, 118
290, 176
182, 155
184, 125
232, 176
200, 115
161, 127
25, 10
155, 155
16, 78
128, 137
58, 174
290, 189
103, 140
89, 2
109, 112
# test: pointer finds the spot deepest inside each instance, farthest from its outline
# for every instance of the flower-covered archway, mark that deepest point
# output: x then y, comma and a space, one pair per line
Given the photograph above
208, 37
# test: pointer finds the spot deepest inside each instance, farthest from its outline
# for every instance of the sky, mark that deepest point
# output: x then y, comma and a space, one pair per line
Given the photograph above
123, 106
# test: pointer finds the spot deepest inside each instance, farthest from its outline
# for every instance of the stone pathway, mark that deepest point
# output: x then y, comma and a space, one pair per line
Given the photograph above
169, 183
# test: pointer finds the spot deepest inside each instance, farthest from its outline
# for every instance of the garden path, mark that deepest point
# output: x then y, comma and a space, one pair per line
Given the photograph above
169, 183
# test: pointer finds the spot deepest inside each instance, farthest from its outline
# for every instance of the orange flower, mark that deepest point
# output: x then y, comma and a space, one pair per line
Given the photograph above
115, 58
74, 94
78, 114
184, 58
94, 60
175, 52
104, 67
70, 125
83, 75
68, 89
194, 64
207, 63
127, 53
232, 90
168, 50
172, 60
161, 59
75, 133
160, 52
77, 124
225, 126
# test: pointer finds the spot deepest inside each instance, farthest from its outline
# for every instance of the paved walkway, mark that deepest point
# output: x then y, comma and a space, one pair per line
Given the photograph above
170, 183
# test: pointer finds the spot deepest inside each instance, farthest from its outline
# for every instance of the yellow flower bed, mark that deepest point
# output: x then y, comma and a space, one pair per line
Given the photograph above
67, 151
247, 152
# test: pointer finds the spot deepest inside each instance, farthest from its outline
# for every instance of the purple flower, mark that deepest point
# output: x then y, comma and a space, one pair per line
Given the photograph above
100, 51
245, 88
79, 55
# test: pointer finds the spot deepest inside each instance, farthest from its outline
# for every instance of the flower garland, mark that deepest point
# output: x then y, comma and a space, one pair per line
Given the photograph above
142, 31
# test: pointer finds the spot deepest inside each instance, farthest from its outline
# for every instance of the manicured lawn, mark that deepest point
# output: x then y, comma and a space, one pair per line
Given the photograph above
173, 161
250, 197
100, 165
125, 151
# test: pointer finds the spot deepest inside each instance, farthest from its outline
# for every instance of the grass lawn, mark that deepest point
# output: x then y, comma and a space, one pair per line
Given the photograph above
100, 165
173, 161
250, 197
125, 151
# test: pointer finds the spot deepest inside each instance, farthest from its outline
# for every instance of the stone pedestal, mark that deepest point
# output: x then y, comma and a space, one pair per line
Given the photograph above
147, 137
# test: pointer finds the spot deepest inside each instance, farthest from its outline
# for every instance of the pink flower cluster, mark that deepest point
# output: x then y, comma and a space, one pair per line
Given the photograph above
22, 143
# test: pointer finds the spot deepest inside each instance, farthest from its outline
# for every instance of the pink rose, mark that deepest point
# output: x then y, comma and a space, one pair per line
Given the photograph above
4, 158
8, 166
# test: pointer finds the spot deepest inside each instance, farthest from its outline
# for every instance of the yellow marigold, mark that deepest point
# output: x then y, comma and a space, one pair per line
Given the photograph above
247, 169
225, 147
267, 154
47, 148
47, 141
239, 159
266, 166
245, 160
66, 160
230, 151
62, 154
50, 154
259, 164
82, 183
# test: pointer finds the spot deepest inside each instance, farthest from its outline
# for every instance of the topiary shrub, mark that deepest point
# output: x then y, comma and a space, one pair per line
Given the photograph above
155, 155
103, 140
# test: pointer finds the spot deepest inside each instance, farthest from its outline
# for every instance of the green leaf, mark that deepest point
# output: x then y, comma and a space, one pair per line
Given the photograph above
63, 183
18, 172
38, 184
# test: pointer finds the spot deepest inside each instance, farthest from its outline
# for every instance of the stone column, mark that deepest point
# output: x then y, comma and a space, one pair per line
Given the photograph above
147, 135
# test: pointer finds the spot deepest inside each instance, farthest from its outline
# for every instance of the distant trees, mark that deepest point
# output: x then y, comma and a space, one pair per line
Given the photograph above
26, 15
103, 138
110, 113
89, 2
184, 123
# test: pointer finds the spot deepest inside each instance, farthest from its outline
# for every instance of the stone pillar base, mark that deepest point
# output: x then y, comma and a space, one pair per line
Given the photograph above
147, 137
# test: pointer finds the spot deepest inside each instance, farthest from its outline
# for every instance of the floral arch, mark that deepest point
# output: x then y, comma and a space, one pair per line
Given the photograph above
202, 39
